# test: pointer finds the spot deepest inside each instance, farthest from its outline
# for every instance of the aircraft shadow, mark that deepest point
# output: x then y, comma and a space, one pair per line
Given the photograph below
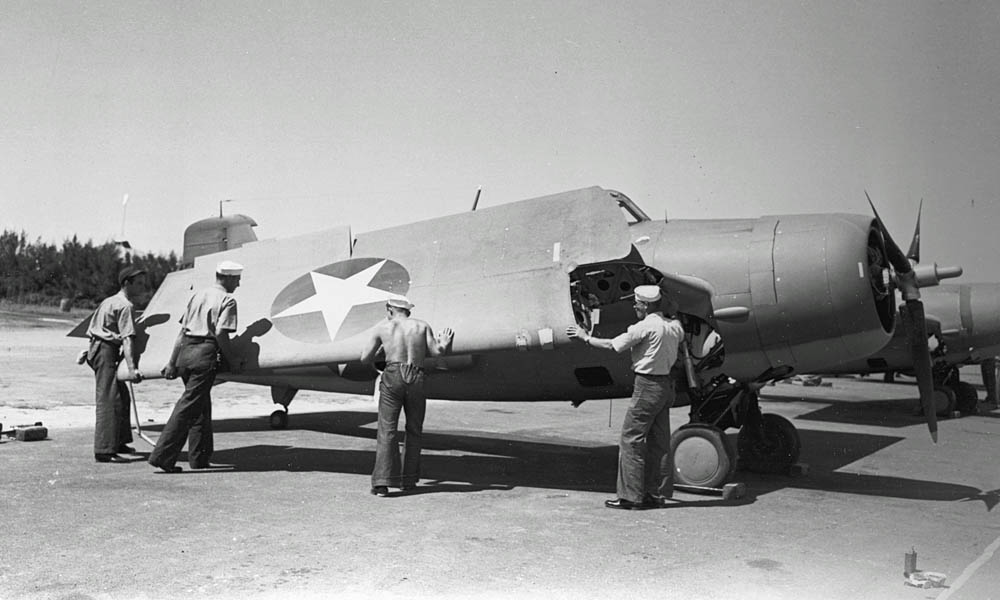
493, 461
894, 412
826, 452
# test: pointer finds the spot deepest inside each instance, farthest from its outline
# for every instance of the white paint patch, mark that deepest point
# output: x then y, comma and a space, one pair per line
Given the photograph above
335, 297
971, 569
556, 251
545, 337
51, 320
861, 270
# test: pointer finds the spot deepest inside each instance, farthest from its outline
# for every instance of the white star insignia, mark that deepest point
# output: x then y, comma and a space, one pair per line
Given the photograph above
335, 297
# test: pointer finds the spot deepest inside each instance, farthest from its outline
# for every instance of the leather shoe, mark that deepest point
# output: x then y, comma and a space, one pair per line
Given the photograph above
124, 449
173, 469
408, 487
657, 501
110, 458
624, 504
381, 491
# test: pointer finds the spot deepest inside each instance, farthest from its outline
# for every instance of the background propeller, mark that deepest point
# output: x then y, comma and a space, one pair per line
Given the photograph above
913, 317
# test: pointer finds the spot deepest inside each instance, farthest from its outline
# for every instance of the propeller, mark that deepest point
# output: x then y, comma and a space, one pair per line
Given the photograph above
913, 318
914, 251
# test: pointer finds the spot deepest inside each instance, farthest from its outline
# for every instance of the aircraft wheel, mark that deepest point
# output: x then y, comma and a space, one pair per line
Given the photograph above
776, 452
279, 419
966, 398
702, 455
944, 401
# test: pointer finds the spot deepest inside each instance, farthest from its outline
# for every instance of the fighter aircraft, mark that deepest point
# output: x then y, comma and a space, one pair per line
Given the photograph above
964, 323
761, 299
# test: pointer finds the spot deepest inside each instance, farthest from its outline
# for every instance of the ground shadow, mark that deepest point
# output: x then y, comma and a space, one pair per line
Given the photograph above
488, 460
826, 452
893, 412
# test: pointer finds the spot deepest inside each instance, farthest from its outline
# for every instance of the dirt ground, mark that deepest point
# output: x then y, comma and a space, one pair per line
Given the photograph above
511, 507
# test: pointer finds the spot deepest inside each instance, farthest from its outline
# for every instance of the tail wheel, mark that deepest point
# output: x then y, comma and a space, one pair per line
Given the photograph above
775, 452
966, 398
702, 456
279, 419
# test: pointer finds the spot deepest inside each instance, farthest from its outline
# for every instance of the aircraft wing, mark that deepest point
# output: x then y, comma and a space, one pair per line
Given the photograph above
499, 277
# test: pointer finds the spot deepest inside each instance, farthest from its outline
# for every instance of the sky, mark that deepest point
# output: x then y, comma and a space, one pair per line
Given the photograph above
310, 115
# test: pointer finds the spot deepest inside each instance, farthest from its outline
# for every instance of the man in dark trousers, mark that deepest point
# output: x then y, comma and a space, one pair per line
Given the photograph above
645, 466
112, 333
407, 342
208, 321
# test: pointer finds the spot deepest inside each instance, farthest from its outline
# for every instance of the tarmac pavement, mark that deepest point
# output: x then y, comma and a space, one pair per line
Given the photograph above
511, 506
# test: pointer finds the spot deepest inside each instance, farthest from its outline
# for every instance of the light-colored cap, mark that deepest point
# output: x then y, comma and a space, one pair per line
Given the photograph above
647, 293
400, 302
229, 268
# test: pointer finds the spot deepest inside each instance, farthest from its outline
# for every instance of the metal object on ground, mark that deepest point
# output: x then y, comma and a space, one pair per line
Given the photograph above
27, 433
909, 562
730, 491
135, 412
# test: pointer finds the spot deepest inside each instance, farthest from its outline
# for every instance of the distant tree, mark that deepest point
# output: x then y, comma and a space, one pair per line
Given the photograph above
40, 273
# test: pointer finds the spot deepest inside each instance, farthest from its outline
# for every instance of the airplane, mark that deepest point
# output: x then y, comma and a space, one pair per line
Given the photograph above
761, 299
964, 322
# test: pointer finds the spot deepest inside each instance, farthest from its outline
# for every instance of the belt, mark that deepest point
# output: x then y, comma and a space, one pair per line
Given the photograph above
196, 339
94, 338
652, 375
402, 364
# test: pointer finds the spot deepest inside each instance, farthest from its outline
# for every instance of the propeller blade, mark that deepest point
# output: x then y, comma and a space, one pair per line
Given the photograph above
913, 319
892, 251
914, 251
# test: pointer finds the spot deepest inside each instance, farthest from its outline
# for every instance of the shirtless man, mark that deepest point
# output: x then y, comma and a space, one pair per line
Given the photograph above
406, 342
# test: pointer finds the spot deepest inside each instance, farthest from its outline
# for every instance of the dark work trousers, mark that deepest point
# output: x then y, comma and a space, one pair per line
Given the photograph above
399, 393
191, 419
112, 428
645, 465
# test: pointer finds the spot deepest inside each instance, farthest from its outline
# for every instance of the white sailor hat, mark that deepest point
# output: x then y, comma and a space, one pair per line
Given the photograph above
229, 268
647, 293
400, 302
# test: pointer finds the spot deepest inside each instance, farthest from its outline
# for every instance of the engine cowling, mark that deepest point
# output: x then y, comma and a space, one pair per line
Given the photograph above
815, 285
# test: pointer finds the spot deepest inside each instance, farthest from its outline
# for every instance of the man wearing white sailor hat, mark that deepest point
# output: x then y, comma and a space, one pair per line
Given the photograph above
206, 327
645, 466
407, 342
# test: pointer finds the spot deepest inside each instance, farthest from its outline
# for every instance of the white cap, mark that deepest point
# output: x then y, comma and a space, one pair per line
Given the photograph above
400, 302
647, 293
229, 268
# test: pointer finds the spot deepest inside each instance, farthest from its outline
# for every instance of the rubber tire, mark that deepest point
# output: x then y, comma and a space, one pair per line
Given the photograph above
789, 446
278, 419
702, 456
966, 398
944, 400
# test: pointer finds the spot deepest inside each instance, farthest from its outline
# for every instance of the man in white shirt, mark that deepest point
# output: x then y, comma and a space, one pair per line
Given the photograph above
645, 466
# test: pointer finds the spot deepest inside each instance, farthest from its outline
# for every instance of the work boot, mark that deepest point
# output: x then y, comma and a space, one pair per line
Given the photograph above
110, 458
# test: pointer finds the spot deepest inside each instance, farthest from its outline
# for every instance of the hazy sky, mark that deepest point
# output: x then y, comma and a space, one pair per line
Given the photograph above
316, 114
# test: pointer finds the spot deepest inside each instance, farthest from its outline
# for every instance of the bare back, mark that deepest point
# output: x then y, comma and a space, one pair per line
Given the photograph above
405, 340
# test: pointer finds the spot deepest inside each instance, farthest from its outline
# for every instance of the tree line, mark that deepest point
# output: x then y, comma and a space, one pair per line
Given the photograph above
81, 273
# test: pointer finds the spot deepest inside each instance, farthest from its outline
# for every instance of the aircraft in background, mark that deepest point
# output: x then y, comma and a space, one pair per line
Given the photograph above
964, 321
761, 299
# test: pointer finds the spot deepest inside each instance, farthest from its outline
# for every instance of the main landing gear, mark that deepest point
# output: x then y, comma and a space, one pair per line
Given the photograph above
704, 455
952, 394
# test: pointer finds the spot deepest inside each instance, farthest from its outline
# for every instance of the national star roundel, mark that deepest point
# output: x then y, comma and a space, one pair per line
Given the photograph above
339, 300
